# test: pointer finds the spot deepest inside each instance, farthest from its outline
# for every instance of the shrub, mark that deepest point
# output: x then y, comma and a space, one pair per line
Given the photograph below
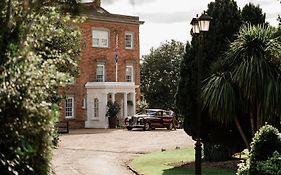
39, 53
243, 168
216, 152
272, 166
264, 143
264, 157
113, 109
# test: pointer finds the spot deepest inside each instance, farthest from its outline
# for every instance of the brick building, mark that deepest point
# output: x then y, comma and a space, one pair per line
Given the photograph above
109, 68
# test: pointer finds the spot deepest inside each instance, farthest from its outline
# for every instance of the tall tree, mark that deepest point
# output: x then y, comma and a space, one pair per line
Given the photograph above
160, 74
225, 24
250, 83
252, 14
39, 50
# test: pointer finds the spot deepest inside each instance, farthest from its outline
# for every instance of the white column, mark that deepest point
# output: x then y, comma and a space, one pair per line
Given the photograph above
125, 105
113, 97
116, 72
134, 102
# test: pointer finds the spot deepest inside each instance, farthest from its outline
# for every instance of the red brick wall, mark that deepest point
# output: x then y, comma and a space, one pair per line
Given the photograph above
90, 55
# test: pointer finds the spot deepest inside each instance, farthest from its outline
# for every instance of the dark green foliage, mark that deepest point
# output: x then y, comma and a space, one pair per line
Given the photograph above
265, 142
71, 6
225, 24
225, 99
216, 152
248, 86
254, 59
184, 100
113, 109
264, 157
252, 14
270, 166
160, 74
39, 49
17, 26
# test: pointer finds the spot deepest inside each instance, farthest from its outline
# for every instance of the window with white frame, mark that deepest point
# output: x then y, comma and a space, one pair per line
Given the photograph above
69, 107
96, 107
100, 72
129, 73
100, 38
84, 103
129, 40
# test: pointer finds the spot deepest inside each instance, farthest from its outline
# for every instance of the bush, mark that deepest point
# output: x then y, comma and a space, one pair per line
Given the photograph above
264, 157
112, 109
39, 53
264, 143
216, 152
272, 166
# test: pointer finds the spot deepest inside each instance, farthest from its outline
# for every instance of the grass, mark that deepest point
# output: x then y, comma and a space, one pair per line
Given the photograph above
158, 163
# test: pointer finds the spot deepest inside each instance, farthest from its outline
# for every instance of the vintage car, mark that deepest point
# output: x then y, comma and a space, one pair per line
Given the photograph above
150, 119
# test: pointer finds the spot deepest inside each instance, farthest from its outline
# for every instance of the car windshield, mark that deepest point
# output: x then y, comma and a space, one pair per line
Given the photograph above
153, 112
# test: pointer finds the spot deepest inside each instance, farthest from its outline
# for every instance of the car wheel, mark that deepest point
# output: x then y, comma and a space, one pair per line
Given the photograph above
129, 128
170, 127
146, 127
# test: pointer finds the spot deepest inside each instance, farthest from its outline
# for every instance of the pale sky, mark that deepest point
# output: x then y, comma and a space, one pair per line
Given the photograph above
170, 19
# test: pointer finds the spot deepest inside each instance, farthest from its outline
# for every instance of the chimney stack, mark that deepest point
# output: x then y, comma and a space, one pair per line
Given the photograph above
97, 3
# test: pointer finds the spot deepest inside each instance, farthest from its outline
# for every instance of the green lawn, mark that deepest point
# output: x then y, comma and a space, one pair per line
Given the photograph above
158, 164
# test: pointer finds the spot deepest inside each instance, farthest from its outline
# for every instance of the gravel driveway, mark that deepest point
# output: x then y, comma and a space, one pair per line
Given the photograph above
107, 151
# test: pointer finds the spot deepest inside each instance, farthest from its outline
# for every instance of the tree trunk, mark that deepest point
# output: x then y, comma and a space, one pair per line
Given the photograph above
258, 117
253, 125
242, 133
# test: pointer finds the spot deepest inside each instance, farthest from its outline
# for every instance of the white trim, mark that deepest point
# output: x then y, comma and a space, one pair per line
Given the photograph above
84, 103
132, 73
130, 42
96, 108
86, 1
103, 72
69, 108
102, 38
118, 91
111, 85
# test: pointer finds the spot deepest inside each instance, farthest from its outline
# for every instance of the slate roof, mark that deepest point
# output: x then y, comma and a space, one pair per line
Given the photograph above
98, 13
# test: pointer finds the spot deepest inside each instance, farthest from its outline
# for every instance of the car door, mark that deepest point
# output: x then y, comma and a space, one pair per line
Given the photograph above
157, 119
166, 119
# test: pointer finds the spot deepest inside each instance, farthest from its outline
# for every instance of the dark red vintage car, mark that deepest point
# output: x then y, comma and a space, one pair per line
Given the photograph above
150, 119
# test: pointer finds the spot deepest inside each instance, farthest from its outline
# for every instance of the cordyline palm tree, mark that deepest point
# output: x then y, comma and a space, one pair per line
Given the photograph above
250, 81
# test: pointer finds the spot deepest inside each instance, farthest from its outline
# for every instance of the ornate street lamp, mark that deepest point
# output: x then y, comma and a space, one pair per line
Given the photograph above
195, 25
199, 27
204, 22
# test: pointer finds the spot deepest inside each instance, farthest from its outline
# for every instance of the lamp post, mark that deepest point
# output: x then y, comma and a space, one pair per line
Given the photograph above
199, 27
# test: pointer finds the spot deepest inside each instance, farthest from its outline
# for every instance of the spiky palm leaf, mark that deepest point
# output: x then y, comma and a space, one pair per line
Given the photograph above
219, 97
254, 58
250, 80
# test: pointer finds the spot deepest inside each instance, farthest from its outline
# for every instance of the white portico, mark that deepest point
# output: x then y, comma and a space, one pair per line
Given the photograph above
99, 93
